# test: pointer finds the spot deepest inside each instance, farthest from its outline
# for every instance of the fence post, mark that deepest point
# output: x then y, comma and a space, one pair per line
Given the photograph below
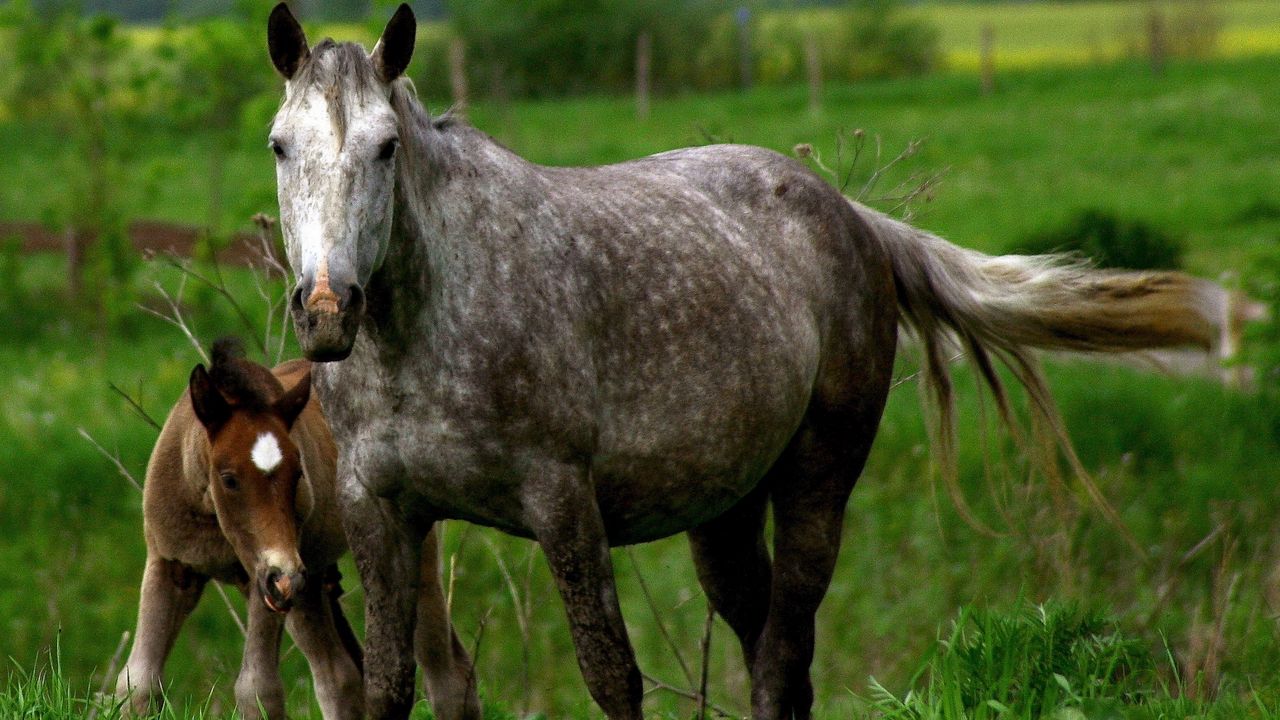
988, 61
458, 71
743, 17
1156, 41
813, 64
644, 64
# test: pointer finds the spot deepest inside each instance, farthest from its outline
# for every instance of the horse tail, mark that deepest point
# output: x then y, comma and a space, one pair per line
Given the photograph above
1001, 308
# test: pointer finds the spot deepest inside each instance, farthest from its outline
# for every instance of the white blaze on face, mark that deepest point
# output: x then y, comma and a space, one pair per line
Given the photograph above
266, 453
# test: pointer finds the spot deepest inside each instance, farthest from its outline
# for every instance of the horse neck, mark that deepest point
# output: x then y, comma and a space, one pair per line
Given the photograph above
445, 168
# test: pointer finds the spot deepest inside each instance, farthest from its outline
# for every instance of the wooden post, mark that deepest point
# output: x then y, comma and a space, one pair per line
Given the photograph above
1156, 40
988, 61
458, 71
644, 64
813, 64
743, 18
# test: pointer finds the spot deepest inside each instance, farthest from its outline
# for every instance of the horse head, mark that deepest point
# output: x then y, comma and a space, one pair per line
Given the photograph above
255, 470
335, 140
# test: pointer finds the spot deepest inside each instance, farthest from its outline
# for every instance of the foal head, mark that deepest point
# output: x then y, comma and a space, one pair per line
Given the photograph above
335, 139
255, 470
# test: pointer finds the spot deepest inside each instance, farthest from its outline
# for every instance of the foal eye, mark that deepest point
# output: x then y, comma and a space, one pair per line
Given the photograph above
388, 149
229, 481
276, 148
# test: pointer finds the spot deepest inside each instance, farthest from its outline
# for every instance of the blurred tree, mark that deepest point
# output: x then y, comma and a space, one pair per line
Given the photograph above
73, 72
219, 67
551, 47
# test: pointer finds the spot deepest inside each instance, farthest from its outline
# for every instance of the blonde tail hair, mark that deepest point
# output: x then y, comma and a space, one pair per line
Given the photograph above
1004, 307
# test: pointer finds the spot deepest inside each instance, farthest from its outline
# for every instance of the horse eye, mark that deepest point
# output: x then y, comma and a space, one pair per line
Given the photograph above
277, 148
388, 149
229, 481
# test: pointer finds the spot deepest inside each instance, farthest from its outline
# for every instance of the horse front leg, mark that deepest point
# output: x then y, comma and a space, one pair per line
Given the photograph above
259, 692
561, 507
446, 666
387, 553
170, 591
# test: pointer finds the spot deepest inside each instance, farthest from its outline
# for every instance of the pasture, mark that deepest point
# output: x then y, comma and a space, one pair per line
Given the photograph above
1187, 464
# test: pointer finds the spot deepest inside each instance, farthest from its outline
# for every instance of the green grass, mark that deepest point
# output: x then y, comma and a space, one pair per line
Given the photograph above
1188, 465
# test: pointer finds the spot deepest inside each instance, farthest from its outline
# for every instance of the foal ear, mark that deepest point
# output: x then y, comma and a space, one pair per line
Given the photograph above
395, 48
291, 404
286, 41
212, 409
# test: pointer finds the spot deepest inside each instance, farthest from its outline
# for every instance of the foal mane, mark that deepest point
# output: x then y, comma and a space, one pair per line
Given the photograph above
244, 383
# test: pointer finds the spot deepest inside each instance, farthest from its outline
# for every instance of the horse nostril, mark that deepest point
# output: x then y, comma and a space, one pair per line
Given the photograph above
300, 292
278, 585
353, 299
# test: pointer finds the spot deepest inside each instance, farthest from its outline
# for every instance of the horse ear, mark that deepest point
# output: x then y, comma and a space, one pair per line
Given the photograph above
286, 41
211, 408
291, 404
395, 48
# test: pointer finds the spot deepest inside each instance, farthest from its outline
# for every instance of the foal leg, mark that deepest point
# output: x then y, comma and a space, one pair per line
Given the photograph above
259, 692
733, 568
170, 591
338, 684
561, 505
809, 488
446, 667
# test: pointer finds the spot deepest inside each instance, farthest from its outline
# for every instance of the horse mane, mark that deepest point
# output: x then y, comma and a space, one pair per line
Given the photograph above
244, 383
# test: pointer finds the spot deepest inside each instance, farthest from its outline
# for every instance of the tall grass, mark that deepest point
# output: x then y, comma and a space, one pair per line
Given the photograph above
1051, 661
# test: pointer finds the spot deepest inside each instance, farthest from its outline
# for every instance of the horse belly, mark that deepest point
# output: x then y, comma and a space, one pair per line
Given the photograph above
689, 449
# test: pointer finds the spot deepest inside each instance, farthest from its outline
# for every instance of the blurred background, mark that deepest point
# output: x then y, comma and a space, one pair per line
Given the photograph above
1138, 133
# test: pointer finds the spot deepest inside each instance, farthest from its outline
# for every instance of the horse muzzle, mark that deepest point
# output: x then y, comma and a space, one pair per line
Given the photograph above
326, 320
280, 589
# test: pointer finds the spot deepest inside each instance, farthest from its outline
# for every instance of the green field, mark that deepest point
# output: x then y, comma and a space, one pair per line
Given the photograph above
1073, 33
1189, 465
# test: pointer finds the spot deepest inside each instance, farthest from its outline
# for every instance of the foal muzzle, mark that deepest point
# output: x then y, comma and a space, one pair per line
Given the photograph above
280, 590
326, 319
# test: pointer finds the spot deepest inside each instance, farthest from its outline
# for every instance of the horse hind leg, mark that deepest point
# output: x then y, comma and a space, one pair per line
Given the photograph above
809, 488
733, 567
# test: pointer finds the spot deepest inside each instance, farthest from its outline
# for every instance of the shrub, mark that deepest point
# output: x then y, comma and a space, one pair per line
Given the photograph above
1109, 241
1027, 664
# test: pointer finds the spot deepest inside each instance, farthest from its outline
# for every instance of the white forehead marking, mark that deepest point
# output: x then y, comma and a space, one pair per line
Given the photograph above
266, 452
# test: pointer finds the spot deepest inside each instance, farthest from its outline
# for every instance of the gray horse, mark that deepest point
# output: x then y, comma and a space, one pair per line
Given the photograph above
599, 356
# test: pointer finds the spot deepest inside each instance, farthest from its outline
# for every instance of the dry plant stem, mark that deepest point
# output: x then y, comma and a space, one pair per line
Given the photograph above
689, 694
1167, 588
912, 148
115, 459
706, 662
657, 616
135, 405
230, 608
271, 267
111, 671
522, 621
175, 317
218, 285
